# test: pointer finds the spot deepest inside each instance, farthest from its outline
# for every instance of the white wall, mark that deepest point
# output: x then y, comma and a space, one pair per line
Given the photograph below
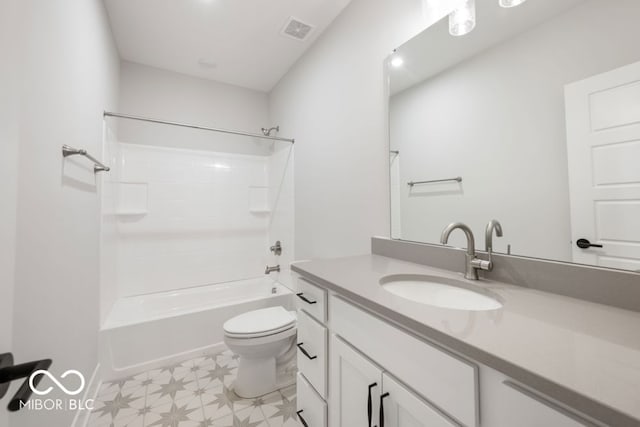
498, 120
70, 75
9, 137
156, 93
334, 103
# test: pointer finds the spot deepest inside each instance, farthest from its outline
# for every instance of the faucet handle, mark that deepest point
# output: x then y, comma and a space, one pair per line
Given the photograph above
482, 264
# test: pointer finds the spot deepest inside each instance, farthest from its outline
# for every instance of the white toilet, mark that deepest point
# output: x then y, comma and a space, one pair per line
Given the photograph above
265, 341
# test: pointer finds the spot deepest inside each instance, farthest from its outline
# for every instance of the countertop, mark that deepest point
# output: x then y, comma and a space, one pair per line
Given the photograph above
583, 354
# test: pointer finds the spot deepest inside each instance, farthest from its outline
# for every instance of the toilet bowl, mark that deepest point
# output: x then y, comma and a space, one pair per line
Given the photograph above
265, 341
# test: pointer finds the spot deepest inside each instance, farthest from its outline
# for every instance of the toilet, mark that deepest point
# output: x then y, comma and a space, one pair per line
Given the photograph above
265, 341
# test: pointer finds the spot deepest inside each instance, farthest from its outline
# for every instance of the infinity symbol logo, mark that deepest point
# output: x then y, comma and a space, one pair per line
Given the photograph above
57, 383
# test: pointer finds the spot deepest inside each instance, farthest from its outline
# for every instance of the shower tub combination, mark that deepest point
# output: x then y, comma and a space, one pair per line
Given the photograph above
148, 331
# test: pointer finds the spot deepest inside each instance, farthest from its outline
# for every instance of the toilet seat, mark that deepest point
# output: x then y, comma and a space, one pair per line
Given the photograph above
260, 323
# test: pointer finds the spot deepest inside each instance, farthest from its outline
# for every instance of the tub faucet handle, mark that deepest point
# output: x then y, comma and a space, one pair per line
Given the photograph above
277, 248
272, 269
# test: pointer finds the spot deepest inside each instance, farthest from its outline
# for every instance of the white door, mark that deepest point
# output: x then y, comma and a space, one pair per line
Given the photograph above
355, 385
401, 408
603, 147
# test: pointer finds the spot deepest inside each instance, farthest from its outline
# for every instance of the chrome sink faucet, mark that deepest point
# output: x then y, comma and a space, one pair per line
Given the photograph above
494, 224
473, 263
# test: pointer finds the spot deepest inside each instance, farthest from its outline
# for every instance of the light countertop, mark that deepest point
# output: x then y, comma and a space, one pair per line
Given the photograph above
584, 354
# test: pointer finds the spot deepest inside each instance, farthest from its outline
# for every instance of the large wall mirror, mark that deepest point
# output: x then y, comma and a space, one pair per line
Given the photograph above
532, 119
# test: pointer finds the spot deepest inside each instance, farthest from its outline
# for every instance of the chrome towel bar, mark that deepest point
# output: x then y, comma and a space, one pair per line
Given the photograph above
412, 183
70, 151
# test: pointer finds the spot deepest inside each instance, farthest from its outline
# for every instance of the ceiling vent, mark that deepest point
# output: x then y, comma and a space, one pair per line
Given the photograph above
296, 29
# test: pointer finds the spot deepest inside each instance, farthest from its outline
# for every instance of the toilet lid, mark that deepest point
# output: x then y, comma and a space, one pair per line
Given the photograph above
260, 322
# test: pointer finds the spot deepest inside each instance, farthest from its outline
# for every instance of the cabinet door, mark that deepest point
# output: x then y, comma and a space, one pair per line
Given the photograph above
520, 407
354, 387
402, 408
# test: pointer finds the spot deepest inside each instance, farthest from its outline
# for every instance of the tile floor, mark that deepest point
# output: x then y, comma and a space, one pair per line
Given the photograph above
195, 393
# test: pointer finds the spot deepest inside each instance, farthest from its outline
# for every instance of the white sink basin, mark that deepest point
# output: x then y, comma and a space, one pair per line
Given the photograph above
440, 292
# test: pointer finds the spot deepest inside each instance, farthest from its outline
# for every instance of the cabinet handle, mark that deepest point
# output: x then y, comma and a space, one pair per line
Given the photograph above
370, 404
299, 414
305, 352
382, 408
303, 298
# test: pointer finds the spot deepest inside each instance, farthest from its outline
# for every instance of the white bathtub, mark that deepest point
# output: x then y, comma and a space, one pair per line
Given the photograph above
148, 331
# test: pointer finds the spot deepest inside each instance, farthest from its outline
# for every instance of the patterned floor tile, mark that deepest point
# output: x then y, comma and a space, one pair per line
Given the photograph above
191, 393
250, 417
174, 414
280, 412
289, 392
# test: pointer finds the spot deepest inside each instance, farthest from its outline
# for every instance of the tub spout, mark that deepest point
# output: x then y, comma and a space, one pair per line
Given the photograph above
272, 269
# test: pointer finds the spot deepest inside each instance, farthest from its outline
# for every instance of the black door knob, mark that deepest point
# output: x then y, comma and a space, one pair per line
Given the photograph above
585, 244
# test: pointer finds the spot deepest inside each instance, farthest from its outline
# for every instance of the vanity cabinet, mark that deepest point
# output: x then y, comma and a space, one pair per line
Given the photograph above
361, 370
402, 408
447, 381
363, 394
312, 354
355, 387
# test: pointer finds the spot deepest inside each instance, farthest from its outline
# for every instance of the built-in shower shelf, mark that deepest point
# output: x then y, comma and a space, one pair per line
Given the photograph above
131, 213
132, 199
260, 211
259, 200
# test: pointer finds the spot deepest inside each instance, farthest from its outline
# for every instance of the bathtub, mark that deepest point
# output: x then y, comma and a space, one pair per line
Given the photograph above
148, 331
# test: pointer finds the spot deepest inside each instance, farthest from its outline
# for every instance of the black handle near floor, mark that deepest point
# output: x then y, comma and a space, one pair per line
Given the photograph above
10, 372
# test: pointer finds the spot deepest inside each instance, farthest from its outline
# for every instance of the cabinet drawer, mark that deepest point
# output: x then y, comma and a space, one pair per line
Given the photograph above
525, 409
312, 299
311, 408
312, 352
444, 380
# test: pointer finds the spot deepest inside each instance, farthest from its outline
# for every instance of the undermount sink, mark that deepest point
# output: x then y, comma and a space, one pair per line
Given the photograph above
441, 292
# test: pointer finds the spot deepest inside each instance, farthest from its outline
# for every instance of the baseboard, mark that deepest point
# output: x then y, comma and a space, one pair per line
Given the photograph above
81, 418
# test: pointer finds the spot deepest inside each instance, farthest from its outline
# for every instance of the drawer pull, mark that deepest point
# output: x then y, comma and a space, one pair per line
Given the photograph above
382, 408
299, 414
310, 357
369, 403
303, 298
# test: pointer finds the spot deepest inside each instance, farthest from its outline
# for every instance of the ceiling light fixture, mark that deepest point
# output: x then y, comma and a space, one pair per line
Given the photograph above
510, 3
463, 19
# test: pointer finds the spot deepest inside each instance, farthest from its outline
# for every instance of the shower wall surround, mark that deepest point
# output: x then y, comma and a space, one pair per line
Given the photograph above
184, 207
188, 218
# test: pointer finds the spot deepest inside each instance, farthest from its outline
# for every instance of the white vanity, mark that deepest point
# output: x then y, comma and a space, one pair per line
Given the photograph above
371, 358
